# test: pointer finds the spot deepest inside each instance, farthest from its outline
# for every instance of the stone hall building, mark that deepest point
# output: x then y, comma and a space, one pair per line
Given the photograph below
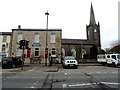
39, 40
84, 48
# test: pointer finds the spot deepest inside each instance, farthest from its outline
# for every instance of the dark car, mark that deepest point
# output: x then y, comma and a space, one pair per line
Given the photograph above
11, 62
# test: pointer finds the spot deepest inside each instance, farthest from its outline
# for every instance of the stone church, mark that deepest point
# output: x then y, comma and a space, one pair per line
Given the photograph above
84, 48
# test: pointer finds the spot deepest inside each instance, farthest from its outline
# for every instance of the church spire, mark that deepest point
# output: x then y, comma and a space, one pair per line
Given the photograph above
92, 17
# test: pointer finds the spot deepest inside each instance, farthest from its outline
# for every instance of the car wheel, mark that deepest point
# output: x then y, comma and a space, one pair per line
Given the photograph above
64, 67
76, 67
113, 65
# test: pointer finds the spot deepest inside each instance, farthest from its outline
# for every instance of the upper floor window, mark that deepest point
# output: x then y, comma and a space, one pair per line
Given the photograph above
20, 37
53, 38
7, 45
4, 38
37, 38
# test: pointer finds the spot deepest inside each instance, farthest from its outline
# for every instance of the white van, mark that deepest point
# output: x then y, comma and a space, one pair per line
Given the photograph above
113, 59
101, 58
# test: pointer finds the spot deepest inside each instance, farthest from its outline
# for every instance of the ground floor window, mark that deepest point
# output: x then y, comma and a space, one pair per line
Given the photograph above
3, 48
53, 52
36, 52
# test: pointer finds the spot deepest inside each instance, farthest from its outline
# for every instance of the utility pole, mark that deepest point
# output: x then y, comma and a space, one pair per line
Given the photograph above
46, 49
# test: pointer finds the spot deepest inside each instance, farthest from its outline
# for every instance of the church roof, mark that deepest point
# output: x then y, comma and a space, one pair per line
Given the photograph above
76, 41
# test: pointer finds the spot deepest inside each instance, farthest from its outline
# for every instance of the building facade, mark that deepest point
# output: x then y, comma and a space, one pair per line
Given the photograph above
51, 40
84, 48
39, 40
5, 40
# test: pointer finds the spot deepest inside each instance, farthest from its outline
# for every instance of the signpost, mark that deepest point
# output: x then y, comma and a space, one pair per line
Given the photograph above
36, 45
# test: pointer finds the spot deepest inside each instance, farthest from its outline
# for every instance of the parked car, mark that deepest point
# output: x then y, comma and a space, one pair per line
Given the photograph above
10, 62
70, 61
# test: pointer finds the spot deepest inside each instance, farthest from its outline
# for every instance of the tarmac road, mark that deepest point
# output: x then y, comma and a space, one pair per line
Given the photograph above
85, 77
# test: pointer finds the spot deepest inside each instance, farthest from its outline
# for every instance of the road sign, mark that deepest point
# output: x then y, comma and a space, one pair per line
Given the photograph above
36, 45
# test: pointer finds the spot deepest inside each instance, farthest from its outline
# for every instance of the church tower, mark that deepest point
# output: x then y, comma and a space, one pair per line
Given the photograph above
93, 31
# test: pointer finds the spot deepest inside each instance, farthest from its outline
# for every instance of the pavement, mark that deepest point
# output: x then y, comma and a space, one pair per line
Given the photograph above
44, 68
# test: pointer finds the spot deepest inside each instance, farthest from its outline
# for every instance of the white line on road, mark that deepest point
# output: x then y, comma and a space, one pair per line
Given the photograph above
102, 72
84, 84
64, 85
65, 73
35, 83
32, 87
81, 84
110, 83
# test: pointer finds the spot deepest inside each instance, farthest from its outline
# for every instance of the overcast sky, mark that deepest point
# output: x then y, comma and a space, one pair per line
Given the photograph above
69, 15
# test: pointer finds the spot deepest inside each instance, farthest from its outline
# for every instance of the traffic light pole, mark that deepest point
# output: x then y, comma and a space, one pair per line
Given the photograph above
23, 45
22, 57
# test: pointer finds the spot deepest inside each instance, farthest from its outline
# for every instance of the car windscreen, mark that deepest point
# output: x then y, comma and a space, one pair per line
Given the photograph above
118, 56
4, 59
69, 58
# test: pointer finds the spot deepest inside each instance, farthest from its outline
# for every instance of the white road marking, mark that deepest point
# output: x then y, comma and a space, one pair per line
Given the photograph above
102, 72
35, 83
84, 84
32, 87
65, 73
81, 84
110, 83
64, 85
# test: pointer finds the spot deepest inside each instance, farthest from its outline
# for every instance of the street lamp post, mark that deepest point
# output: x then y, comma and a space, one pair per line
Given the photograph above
47, 19
46, 49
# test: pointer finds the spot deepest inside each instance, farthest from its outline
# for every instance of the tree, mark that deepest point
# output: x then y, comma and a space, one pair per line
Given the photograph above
114, 43
115, 46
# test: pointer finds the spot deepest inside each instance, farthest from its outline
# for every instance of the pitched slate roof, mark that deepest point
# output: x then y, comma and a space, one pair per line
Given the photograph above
37, 29
76, 41
5, 33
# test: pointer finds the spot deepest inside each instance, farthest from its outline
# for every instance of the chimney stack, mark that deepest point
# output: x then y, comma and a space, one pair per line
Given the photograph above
19, 26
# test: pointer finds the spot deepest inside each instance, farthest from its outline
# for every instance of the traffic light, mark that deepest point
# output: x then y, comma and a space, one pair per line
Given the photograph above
27, 44
21, 43
46, 53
